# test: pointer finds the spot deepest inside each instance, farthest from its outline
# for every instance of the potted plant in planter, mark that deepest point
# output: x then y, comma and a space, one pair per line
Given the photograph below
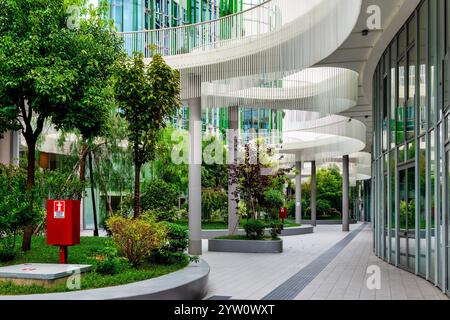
255, 176
255, 239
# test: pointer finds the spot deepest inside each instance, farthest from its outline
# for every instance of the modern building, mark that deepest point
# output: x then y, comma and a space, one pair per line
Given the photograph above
411, 163
130, 16
247, 55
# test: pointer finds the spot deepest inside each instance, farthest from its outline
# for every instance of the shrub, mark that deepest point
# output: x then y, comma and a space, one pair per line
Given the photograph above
291, 208
254, 229
214, 205
273, 201
136, 238
275, 230
242, 210
15, 210
159, 195
173, 251
7, 253
159, 215
107, 261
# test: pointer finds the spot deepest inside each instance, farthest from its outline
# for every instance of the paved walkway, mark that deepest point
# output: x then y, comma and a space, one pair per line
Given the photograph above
255, 276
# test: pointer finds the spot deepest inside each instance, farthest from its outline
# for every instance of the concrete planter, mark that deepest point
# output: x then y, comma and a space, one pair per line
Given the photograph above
245, 246
328, 222
294, 231
190, 283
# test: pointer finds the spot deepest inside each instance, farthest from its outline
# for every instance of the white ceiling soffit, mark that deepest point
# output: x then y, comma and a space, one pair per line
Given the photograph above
362, 53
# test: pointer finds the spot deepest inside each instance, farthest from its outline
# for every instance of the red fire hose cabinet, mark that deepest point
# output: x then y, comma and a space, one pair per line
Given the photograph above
63, 222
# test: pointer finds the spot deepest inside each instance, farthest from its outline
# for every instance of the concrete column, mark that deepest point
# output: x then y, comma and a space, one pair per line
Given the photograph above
313, 194
233, 140
298, 193
345, 194
15, 147
195, 176
5, 148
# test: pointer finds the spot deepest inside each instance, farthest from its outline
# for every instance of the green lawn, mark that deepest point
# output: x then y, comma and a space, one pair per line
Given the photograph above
220, 225
82, 254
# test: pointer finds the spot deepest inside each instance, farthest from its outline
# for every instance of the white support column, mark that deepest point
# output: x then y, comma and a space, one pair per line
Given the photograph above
298, 193
15, 147
233, 140
5, 148
345, 194
195, 176
313, 194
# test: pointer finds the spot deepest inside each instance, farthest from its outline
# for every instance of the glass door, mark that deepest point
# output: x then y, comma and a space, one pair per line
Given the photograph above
407, 235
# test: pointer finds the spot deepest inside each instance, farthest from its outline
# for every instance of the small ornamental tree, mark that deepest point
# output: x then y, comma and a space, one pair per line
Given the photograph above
254, 175
147, 97
56, 67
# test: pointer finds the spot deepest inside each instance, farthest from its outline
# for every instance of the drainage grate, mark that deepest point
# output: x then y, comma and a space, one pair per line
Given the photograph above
294, 285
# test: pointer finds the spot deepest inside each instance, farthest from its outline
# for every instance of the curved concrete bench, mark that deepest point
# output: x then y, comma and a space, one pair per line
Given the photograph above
294, 231
190, 283
328, 222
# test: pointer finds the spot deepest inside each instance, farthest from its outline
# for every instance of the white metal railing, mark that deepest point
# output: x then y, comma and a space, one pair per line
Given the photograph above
213, 34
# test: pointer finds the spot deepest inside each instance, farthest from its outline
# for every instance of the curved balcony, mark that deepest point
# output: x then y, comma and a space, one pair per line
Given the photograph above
276, 39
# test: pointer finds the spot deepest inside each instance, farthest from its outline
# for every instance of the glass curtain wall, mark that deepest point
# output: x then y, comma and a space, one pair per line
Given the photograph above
411, 152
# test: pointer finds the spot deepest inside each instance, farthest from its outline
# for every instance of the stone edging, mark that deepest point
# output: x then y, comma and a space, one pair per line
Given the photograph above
245, 246
328, 222
190, 283
294, 231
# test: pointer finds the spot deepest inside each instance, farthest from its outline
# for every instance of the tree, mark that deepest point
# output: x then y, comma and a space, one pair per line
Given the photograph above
329, 191
254, 175
147, 98
52, 71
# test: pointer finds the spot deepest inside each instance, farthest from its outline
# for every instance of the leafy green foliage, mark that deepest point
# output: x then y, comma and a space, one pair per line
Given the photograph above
82, 254
215, 168
15, 210
60, 186
173, 251
159, 195
214, 205
254, 229
329, 192
136, 238
50, 72
255, 174
107, 261
275, 229
7, 254
163, 167
273, 200
147, 98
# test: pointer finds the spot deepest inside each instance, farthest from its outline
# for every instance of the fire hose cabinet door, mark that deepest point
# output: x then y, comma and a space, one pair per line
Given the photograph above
63, 222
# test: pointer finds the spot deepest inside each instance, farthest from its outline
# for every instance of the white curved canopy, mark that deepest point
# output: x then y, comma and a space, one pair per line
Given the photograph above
276, 38
309, 137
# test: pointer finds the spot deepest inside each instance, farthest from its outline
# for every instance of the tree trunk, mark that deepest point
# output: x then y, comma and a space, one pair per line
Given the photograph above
103, 186
83, 156
28, 230
137, 193
94, 207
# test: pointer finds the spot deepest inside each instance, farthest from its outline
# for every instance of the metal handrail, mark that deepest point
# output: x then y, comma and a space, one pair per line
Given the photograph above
202, 22
213, 34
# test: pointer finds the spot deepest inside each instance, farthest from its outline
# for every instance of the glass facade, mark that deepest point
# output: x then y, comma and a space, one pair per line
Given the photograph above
411, 163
